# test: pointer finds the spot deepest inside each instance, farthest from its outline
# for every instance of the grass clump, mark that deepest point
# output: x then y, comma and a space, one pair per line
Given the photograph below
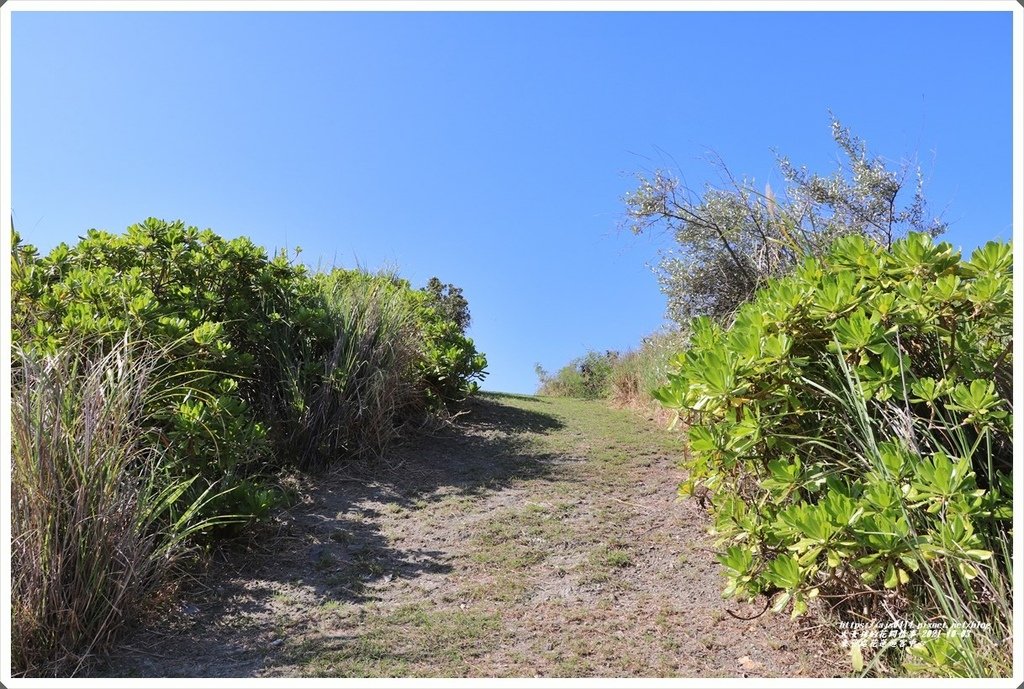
638, 372
350, 393
95, 521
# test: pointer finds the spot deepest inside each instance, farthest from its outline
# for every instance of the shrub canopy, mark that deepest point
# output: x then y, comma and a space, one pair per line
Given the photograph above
852, 426
271, 352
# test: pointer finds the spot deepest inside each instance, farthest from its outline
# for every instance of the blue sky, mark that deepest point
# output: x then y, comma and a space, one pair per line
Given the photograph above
491, 150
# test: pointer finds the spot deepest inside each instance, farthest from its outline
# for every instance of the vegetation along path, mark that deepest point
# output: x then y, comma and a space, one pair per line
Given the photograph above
540, 537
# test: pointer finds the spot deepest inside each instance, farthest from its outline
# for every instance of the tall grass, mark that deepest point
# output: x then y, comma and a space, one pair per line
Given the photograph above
353, 400
639, 371
92, 527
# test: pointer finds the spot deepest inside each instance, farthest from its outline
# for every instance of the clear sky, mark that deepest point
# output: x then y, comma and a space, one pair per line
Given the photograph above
491, 150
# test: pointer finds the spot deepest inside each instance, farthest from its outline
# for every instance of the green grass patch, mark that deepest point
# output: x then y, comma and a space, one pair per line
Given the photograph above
413, 640
517, 538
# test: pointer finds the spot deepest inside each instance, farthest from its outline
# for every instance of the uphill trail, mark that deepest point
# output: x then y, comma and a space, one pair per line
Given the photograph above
538, 537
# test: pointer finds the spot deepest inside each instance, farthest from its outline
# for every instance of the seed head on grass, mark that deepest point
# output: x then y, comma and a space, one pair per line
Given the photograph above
93, 532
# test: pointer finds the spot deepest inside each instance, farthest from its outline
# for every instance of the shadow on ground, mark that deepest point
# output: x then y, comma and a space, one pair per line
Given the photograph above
329, 549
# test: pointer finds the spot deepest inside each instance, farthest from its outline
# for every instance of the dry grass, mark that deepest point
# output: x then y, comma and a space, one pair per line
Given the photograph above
354, 401
91, 533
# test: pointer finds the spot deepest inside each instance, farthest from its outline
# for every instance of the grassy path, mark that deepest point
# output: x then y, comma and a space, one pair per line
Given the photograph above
542, 538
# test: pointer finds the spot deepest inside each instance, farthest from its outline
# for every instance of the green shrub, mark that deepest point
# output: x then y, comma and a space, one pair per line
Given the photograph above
451, 366
221, 302
852, 431
588, 377
448, 301
284, 366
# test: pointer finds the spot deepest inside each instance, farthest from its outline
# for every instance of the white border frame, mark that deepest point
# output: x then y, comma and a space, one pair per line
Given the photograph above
9, 6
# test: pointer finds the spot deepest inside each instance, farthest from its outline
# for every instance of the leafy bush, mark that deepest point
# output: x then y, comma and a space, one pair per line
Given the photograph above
451, 367
448, 301
588, 377
851, 430
284, 366
221, 302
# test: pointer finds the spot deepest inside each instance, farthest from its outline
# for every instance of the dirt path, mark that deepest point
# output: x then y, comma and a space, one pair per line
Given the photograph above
544, 537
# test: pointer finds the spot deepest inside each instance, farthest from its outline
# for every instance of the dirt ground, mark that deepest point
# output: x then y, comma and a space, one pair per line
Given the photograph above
539, 537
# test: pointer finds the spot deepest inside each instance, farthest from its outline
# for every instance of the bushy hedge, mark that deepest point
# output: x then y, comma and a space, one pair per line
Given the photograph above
852, 432
271, 352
